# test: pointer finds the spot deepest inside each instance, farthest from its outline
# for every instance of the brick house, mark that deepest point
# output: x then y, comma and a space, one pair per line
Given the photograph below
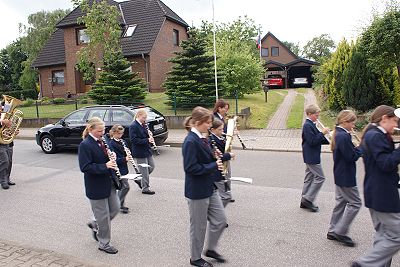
151, 33
278, 59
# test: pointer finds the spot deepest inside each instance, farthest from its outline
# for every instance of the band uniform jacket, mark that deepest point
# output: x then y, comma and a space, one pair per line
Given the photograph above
345, 155
119, 150
199, 165
312, 139
139, 139
381, 172
220, 144
92, 162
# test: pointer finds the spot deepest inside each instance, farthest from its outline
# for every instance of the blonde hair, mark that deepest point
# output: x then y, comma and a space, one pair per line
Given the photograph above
116, 129
199, 115
312, 109
343, 116
376, 117
92, 124
140, 112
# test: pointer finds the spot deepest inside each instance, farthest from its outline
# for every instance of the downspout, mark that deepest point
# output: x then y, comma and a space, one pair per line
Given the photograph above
146, 72
40, 86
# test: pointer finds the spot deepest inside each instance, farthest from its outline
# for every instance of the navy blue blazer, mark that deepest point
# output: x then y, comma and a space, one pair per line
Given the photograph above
216, 117
345, 155
312, 139
119, 150
200, 166
92, 162
381, 177
139, 139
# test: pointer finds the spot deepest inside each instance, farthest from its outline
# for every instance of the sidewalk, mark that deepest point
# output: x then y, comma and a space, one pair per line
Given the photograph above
12, 254
263, 140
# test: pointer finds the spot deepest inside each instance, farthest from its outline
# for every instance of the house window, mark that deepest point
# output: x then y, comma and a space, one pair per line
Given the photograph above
130, 30
274, 51
175, 37
58, 77
264, 52
82, 37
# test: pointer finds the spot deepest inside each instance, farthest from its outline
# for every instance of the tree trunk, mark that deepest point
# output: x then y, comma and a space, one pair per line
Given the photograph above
398, 71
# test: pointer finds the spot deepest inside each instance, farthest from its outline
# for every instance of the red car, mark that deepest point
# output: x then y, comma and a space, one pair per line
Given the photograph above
275, 80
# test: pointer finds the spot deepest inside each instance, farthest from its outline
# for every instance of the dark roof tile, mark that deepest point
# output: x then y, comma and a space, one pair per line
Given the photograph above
53, 53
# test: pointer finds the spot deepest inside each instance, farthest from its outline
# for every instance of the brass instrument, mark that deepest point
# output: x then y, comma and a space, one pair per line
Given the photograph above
355, 139
321, 128
7, 134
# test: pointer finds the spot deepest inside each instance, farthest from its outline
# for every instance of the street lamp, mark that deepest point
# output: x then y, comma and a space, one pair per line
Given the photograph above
215, 54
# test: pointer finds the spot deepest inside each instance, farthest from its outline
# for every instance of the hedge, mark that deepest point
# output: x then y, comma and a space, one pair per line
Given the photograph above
22, 94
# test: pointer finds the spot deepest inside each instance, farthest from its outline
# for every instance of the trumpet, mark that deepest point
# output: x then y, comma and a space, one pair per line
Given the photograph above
321, 128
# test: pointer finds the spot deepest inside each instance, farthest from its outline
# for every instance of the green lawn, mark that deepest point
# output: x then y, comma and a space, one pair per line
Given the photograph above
295, 118
328, 119
262, 111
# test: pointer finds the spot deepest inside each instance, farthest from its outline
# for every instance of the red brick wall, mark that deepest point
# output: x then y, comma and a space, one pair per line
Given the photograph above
71, 48
47, 87
139, 65
161, 52
284, 55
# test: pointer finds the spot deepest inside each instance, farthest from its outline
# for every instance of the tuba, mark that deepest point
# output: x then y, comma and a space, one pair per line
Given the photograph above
15, 116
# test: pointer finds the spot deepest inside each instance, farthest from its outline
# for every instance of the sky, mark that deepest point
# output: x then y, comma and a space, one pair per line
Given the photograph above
296, 21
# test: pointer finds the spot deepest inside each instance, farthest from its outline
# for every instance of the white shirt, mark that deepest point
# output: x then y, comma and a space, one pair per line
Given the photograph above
95, 139
197, 132
220, 116
343, 128
382, 129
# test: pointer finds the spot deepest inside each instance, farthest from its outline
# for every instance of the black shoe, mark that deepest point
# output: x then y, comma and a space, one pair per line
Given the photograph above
232, 200
125, 210
331, 236
148, 192
94, 230
226, 225
345, 240
139, 183
5, 186
201, 263
11, 183
109, 250
355, 264
305, 204
214, 255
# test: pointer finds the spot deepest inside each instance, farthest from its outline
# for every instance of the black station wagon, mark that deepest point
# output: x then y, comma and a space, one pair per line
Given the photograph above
67, 132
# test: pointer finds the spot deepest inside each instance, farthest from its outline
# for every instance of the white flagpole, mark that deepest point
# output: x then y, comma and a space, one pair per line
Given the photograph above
215, 54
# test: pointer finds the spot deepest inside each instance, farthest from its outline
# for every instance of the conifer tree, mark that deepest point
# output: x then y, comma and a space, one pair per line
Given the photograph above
116, 83
191, 81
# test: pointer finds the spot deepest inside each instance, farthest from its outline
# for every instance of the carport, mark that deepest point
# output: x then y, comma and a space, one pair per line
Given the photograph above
300, 68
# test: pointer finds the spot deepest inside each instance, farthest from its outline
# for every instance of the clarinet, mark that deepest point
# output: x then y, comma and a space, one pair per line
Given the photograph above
241, 142
223, 172
153, 144
116, 169
129, 154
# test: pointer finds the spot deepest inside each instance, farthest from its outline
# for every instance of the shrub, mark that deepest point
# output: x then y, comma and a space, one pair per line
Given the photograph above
27, 103
58, 100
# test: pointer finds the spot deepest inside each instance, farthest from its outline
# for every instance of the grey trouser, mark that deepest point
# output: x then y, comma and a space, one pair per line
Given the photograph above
123, 191
224, 187
6, 153
201, 210
313, 181
348, 204
104, 210
386, 239
145, 171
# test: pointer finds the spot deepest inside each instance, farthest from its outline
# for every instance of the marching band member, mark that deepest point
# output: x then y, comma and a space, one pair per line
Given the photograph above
95, 164
217, 129
220, 111
381, 194
6, 151
202, 197
348, 201
141, 148
312, 139
116, 133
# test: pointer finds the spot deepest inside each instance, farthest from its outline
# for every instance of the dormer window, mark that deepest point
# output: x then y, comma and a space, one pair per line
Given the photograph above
82, 37
130, 30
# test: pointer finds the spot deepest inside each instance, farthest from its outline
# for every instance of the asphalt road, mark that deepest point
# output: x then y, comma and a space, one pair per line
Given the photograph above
48, 209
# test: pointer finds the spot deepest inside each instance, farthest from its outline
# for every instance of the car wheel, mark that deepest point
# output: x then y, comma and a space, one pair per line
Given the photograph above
48, 144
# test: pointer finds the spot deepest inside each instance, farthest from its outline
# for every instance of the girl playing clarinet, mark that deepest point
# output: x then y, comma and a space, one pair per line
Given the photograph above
116, 133
348, 201
381, 194
203, 199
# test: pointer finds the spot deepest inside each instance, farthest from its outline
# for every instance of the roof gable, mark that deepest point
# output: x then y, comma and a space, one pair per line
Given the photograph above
53, 52
269, 34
